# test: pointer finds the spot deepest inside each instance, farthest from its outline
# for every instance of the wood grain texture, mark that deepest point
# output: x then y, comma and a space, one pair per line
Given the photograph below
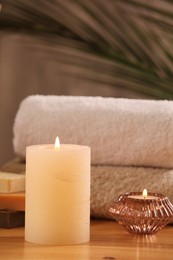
108, 241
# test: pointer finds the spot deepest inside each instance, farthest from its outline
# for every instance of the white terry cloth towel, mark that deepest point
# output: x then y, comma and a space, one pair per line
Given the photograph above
119, 131
108, 182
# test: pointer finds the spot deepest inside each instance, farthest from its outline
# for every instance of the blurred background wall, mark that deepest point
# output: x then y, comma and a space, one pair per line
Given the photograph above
23, 72
94, 47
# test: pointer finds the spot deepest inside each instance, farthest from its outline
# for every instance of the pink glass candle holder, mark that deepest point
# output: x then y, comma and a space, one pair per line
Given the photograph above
142, 215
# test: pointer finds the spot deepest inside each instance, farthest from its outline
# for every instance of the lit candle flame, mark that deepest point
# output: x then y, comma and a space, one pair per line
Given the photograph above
145, 193
57, 143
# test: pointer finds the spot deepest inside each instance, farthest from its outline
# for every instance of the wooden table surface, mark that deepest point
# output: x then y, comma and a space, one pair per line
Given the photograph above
108, 241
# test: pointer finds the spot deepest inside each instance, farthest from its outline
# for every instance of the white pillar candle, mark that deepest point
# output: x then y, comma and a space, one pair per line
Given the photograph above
57, 194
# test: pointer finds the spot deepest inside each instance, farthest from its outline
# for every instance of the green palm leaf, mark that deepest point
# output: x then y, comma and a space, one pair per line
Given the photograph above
126, 44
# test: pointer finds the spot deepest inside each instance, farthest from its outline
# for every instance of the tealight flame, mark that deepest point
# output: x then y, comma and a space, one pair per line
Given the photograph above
57, 143
145, 193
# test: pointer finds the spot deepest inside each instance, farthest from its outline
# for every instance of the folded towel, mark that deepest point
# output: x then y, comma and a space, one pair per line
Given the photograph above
108, 182
119, 131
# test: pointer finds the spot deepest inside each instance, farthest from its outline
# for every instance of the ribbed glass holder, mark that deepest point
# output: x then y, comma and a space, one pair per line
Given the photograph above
142, 216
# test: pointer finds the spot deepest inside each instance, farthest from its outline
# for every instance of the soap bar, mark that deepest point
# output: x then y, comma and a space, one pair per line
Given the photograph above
12, 201
12, 219
12, 182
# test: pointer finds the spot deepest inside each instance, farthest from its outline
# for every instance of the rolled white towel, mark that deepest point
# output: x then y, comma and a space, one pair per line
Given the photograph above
119, 131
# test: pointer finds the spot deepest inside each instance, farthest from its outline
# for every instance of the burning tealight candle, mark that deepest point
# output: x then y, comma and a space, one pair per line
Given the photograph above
57, 194
142, 213
144, 196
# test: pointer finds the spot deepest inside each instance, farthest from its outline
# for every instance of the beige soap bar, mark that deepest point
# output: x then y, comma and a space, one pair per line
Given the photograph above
12, 182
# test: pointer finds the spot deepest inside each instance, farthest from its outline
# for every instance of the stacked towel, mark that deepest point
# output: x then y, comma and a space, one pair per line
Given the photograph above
119, 131
108, 182
130, 140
